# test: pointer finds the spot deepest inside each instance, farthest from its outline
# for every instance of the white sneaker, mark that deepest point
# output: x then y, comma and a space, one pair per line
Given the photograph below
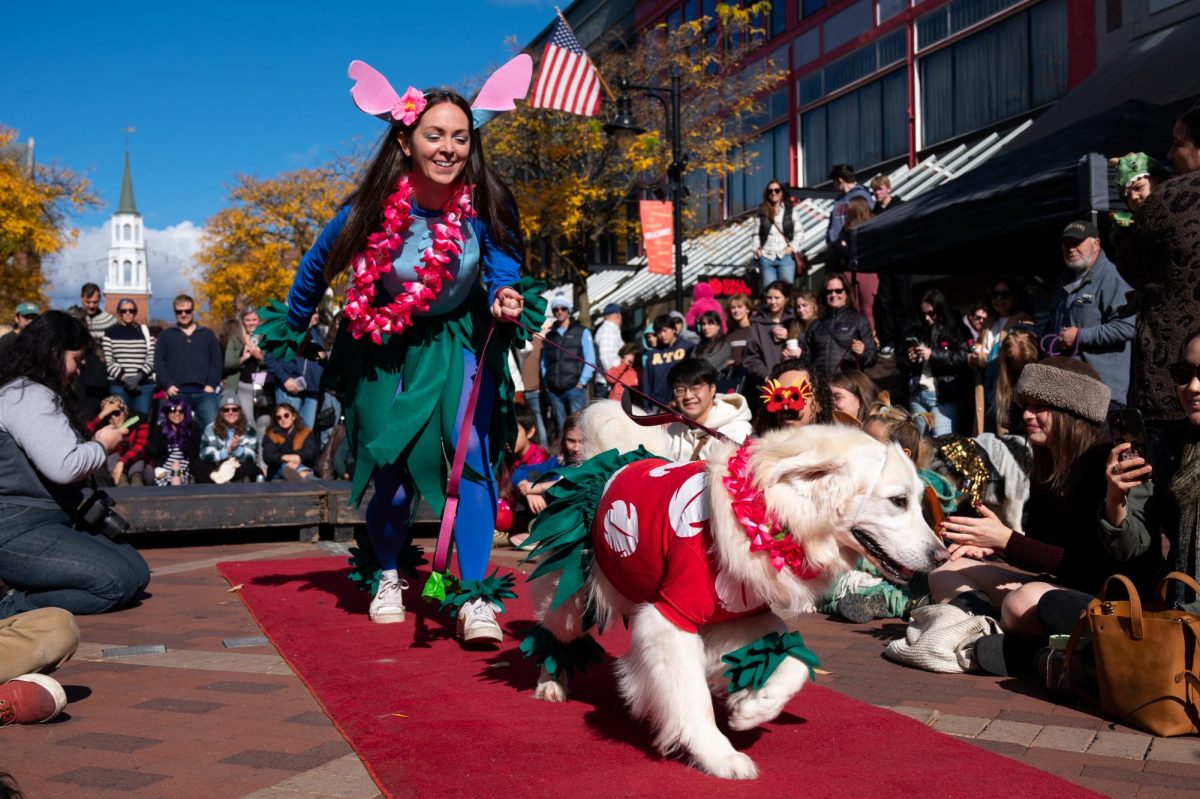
388, 605
477, 622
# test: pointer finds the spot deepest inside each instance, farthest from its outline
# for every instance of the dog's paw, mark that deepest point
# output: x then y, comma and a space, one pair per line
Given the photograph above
748, 709
550, 691
733, 766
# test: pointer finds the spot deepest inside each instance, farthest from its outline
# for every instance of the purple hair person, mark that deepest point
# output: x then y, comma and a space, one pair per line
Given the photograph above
177, 435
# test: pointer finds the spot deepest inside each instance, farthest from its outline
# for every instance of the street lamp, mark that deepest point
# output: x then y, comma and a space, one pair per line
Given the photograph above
624, 123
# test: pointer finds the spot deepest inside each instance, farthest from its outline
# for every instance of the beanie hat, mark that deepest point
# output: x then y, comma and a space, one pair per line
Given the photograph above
1065, 384
229, 399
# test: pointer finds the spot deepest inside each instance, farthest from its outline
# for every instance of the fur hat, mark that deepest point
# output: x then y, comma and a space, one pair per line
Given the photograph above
1132, 166
1066, 384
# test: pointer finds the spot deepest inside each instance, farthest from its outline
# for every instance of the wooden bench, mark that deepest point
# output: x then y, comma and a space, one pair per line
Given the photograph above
315, 507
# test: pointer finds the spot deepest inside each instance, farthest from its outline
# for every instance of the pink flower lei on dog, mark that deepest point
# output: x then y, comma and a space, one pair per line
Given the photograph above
764, 532
364, 318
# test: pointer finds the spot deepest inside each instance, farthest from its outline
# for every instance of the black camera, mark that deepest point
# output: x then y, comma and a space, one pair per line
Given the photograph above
96, 515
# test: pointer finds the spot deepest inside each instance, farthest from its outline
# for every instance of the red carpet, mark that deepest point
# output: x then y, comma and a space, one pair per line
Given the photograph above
430, 719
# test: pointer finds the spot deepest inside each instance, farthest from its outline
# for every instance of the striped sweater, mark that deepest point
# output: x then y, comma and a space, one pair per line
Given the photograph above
126, 352
97, 324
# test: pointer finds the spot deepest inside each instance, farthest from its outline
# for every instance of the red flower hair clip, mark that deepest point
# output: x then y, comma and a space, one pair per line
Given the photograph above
779, 397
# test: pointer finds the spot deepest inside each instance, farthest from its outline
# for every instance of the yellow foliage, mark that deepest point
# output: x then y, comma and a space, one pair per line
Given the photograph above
251, 248
34, 207
572, 182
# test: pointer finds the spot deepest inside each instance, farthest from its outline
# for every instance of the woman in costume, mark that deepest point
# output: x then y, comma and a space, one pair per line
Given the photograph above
432, 240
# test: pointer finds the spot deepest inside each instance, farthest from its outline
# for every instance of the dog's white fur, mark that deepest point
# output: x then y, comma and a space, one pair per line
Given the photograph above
603, 425
820, 482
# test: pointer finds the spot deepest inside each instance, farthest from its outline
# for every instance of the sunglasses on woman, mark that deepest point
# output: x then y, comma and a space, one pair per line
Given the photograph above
1183, 372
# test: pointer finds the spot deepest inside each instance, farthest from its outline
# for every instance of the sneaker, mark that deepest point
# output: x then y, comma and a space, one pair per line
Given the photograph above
30, 699
886, 352
137, 479
477, 622
862, 608
388, 605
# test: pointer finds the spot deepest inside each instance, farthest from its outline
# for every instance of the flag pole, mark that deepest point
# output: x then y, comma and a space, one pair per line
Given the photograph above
603, 82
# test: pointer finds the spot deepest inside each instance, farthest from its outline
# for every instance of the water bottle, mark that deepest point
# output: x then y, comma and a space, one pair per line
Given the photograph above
1058, 681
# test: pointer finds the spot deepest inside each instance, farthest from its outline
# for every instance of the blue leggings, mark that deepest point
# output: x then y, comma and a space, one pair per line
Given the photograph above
390, 510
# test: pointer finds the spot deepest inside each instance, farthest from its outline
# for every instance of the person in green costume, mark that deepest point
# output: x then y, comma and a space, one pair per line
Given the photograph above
432, 236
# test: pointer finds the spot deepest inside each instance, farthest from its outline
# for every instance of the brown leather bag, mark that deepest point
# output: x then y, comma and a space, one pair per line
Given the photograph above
1147, 659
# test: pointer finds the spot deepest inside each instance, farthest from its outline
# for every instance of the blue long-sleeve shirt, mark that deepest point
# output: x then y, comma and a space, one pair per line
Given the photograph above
189, 362
1098, 303
310, 370
500, 267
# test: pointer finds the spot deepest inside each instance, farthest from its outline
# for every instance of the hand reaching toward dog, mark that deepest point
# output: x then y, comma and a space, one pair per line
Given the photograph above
985, 532
966, 551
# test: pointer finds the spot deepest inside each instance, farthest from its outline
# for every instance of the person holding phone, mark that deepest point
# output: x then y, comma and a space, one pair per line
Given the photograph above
840, 338
45, 459
995, 568
1158, 492
126, 464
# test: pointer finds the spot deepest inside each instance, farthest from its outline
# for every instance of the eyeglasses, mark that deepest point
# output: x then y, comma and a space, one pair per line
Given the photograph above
174, 411
774, 191
980, 317
682, 391
230, 410
835, 291
1183, 372
283, 417
1001, 295
123, 311
183, 311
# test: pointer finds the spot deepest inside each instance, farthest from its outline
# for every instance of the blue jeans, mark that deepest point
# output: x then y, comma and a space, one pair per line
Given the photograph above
777, 269
305, 405
563, 404
48, 564
945, 414
203, 403
139, 403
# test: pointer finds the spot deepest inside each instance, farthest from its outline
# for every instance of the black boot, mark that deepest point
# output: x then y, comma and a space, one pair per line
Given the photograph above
977, 603
1007, 655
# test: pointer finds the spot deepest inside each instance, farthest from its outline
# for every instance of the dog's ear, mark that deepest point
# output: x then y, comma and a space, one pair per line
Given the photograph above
807, 466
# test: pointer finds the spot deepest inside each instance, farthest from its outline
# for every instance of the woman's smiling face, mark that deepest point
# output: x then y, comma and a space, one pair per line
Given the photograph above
438, 147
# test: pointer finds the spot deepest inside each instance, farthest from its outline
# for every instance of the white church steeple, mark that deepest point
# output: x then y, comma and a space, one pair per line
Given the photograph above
128, 274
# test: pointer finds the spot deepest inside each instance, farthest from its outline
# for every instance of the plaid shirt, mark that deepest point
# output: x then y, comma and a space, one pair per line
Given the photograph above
132, 446
608, 348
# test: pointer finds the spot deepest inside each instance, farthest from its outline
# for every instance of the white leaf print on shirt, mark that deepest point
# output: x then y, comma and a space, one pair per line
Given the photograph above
621, 528
689, 509
662, 471
733, 595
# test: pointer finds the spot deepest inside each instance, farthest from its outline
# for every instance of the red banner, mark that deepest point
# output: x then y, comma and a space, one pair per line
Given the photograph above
658, 236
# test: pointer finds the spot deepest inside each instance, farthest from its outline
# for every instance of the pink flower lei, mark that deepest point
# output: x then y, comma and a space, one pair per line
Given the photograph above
764, 532
364, 318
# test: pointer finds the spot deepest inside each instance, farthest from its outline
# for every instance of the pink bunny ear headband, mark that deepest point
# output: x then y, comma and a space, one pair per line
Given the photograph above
374, 95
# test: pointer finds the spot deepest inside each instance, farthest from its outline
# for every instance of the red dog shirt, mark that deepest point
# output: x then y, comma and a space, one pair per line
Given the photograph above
651, 539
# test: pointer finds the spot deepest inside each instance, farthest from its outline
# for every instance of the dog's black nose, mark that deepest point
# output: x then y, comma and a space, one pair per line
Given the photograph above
939, 555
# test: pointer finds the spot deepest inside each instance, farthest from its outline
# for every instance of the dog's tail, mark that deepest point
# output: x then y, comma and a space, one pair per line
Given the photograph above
560, 534
604, 426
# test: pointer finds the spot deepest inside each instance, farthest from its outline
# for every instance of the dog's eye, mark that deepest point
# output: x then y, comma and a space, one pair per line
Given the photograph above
900, 501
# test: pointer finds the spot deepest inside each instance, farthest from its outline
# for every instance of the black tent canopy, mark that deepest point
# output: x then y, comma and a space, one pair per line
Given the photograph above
1005, 216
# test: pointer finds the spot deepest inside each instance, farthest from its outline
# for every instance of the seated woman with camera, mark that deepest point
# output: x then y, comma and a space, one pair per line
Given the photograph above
45, 559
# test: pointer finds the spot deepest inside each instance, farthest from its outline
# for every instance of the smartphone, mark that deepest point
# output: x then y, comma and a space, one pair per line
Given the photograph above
130, 422
912, 342
1126, 427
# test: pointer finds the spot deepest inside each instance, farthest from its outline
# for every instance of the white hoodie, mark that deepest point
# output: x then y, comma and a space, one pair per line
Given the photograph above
730, 415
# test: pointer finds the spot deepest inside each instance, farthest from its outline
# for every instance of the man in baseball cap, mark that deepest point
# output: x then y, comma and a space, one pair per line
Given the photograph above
26, 313
1091, 317
608, 346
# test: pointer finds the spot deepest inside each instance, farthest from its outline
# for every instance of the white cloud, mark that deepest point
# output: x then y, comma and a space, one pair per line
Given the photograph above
170, 255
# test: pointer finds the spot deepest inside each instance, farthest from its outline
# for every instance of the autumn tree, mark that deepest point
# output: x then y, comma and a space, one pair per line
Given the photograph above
36, 203
251, 248
573, 183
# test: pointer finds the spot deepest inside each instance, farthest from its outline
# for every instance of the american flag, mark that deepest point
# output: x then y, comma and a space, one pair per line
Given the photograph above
567, 81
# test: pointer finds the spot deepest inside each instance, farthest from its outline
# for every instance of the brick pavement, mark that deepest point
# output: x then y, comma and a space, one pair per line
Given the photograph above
207, 720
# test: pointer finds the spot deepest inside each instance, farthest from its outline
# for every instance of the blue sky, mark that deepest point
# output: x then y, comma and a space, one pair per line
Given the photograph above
218, 89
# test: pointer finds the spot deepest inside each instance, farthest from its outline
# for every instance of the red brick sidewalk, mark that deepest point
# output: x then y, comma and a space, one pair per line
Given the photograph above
212, 721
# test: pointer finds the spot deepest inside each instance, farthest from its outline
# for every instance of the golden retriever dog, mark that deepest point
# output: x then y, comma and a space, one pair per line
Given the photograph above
837, 492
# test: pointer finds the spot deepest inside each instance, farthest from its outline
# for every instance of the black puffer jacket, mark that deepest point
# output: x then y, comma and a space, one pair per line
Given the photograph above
947, 359
829, 337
